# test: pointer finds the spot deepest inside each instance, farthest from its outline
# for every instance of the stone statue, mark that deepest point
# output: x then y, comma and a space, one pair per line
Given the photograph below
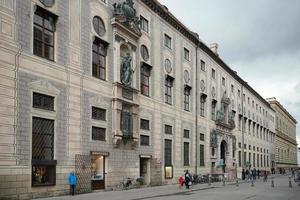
221, 114
231, 121
126, 71
127, 11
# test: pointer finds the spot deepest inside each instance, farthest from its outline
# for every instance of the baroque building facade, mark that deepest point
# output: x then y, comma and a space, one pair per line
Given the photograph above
285, 140
115, 89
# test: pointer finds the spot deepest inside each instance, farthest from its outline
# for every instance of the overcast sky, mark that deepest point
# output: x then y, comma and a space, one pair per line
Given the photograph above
260, 39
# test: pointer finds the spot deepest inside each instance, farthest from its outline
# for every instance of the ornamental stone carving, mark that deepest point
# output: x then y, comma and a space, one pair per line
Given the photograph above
126, 14
126, 71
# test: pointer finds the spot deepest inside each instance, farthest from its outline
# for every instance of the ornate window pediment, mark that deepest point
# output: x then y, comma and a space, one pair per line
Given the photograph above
44, 86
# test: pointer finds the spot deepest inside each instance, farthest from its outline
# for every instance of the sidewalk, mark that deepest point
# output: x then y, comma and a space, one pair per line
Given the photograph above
149, 192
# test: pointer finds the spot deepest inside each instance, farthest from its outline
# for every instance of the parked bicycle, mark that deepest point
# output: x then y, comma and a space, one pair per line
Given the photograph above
125, 184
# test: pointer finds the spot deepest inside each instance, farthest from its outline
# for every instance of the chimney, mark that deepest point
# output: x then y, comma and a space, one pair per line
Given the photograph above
214, 48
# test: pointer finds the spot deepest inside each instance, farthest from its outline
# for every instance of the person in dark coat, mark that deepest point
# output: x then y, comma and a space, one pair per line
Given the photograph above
243, 174
247, 174
254, 173
72, 182
187, 179
258, 173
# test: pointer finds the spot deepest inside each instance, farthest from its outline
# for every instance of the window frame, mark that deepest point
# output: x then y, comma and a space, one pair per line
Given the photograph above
167, 128
186, 154
213, 73
168, 89
96, 67
202, 65
202, 104
44, 14
148, 124
144, 143
142, 24
145, 80
102, 138
186, 99
100, 110
186, 54
168, 41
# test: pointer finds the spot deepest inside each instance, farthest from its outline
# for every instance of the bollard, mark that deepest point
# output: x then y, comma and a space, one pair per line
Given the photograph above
290, 183
252, 183
272, 182
209, 180
237, 182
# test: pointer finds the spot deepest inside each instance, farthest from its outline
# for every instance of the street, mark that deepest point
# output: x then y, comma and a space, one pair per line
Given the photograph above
260, 191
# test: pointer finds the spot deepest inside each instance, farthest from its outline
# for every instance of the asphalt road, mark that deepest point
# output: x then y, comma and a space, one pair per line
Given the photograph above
260, 191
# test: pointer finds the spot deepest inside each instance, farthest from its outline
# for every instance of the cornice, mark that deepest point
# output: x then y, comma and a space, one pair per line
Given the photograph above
273, 101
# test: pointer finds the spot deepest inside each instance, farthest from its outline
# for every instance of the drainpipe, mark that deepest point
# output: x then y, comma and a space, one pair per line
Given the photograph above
16, 113
196, 113
243, 126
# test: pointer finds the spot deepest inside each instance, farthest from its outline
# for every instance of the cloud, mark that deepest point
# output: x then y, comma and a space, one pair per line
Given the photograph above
259, 39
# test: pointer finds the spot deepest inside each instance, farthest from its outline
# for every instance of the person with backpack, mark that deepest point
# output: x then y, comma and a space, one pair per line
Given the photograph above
187, 179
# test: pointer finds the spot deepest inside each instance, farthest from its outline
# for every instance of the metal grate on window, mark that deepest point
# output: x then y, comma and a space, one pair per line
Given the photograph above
42, 139
98, 113
168, 129
145, 124
186, 133
43, 101
145, 140
98, 133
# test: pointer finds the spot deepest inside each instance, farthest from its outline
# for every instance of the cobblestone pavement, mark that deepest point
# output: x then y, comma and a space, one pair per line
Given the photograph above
260, 191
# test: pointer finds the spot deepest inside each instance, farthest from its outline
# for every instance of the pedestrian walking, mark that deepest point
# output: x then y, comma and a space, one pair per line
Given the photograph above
72, 182
258, 173
243, 174
187, 179
254, 174
265, 176
180, 182
247, 174
293, 173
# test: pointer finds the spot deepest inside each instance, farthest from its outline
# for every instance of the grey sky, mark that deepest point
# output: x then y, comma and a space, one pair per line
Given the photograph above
260, 39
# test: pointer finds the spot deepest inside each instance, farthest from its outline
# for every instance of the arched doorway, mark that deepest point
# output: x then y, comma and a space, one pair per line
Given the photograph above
223, 153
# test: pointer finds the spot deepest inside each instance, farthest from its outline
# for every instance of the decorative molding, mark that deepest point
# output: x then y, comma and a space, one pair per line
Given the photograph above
99, 101
44, 86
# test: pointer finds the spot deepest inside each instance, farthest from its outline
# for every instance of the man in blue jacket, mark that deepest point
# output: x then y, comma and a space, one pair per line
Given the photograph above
72, 182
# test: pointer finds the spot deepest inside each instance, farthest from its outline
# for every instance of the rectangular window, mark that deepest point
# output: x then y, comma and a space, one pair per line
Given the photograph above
213, 73
186, 54
43, 150
202, 65
168, 129
145, 140
145, 80
98, 133
144, 24
202, 105
245, 157
168, 89
42, 139
248, 100
168, 41
213, 109
257, 156
186, 133
99, 59
98, 113
186, 154
186, 102
254, 159
44, 24
223, 81
43, 175
232, 88
202, 137
239, 93
168, 152
145, 124
202, 159
240, 158
43, 101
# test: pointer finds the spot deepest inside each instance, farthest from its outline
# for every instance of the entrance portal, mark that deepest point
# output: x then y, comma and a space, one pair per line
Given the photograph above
223, 153
145, 170
98, 172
